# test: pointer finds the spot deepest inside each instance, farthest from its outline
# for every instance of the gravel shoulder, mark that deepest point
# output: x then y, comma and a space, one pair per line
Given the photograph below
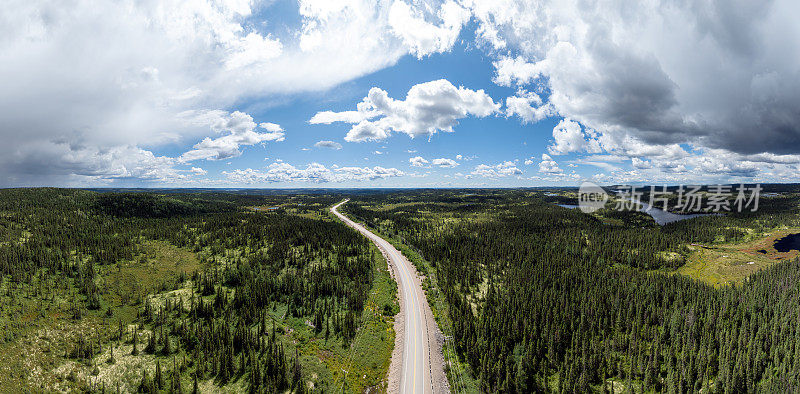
437, 380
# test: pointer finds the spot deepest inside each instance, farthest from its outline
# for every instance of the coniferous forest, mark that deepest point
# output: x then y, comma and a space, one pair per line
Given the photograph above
265, 292
188, 293
547, 299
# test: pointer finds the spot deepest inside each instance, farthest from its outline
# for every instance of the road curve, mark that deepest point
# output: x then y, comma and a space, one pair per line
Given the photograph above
416, 370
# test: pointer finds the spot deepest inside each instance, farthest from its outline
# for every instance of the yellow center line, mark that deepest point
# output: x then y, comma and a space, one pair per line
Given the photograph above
415, 325
411, 319
413, 310
416, 336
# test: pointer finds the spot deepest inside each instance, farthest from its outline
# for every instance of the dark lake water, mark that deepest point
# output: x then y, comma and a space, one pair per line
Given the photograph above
660, 216
663, 217
787, 243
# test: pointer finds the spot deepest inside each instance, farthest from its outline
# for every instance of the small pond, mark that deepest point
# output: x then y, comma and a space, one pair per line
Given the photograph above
787, 243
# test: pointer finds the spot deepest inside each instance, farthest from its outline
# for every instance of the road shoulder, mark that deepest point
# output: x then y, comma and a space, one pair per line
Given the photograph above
435, 338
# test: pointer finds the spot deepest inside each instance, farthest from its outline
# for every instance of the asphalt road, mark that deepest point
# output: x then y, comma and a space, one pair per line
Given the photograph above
415, 375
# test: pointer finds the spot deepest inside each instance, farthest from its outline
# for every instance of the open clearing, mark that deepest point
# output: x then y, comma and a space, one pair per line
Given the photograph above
732, 263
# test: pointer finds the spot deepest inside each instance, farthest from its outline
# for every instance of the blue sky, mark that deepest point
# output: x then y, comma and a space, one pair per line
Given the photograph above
493, 139
398, 93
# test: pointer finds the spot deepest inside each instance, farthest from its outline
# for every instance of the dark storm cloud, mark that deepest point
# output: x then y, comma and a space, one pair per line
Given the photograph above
712, 73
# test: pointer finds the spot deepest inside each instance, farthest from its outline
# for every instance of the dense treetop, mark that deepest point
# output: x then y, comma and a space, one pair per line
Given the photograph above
543, 298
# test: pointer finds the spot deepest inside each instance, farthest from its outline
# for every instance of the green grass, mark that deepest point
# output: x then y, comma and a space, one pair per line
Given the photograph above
732, 263
37, 329
336, 366
356, 366
365, 362
155, 270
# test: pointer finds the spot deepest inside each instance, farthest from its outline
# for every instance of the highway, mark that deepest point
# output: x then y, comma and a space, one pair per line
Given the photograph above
416, 368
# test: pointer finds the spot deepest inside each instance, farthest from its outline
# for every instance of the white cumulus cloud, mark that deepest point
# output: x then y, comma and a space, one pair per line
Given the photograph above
417, 161
328, 144
313, 173
569, 137
198, 171
507, 168
110, 75
428, 108
529, 107
444, 163
241, 131
548, 165
423, 37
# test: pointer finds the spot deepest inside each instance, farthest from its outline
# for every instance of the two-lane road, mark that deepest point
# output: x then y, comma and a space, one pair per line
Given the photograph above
416, 370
